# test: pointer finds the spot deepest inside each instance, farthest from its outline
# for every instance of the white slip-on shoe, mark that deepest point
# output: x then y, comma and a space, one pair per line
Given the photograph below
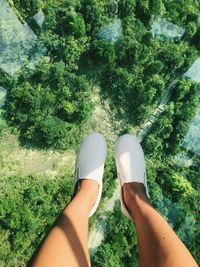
130, 163
90, 162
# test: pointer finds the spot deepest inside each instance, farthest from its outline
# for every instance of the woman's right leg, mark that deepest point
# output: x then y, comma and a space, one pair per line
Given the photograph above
158, 245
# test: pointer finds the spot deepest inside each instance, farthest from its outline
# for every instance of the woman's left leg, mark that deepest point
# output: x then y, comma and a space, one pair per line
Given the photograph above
67, 243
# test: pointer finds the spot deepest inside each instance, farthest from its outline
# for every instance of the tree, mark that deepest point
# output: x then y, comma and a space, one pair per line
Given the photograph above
156, 7
103, 51
28, 9
128, 52
111, 8
153, 146
155, 86
181, 89
52, 130
196, 39
171, 56
73, 50
26, 215
45, 107
154, 67
92, 12
126, 8
191, 29
70, 22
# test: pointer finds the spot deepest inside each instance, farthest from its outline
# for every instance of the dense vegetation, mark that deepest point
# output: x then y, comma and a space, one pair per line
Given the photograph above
49, 104
133, 71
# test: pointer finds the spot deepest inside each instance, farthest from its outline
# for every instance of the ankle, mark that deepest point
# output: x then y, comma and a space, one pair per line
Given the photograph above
134, 194
84, 198
88, 185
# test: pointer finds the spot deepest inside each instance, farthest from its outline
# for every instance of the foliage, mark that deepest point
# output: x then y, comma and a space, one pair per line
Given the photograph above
27, 214
49, 104
134, 71
92, 13
102, 51
189, 18
175, 194
46, 106
109, 177
119, 243
124, 88
169, 130
28, 8
186, 97
181, 185
70, 23
126, 8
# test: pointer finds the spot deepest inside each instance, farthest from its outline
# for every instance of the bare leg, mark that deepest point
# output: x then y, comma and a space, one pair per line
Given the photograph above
67, 243
158, 245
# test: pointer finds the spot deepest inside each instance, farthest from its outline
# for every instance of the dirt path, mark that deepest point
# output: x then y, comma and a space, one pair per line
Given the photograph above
17, 160
159, 110
102, 120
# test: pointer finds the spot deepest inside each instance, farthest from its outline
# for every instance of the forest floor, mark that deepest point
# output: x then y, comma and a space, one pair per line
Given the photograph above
18, 160
103, 120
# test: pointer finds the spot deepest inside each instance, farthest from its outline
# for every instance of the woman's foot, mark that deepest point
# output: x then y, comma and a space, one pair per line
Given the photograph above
131, 171
89, 170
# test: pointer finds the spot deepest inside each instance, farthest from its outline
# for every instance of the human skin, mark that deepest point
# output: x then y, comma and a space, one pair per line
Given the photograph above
158, 244
66, 245
67, 242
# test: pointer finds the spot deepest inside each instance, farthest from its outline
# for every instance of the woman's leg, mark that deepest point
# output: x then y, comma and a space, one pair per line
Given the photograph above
158, 245
67, 243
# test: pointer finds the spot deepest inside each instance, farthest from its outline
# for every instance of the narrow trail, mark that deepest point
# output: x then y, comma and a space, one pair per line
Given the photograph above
102, 120
159, 110
97, 231
21, 161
